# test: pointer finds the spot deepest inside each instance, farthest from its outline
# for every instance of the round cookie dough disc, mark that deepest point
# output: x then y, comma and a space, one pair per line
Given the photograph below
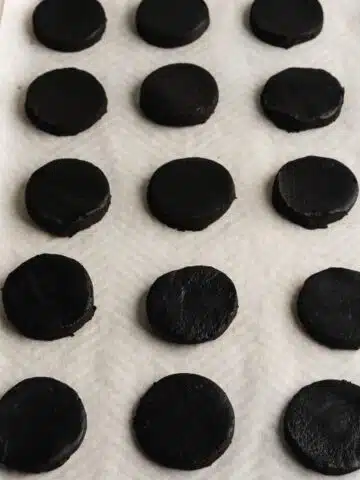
314, 191
192, 305
48, 297
66, 196
184, 421
42, 423
179, 95
69, 25
329, 308
172, 23
190, 193
285, 23
322, 427
298, 99
65, 101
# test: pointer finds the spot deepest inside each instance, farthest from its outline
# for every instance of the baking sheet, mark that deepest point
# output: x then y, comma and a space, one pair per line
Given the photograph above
264, 358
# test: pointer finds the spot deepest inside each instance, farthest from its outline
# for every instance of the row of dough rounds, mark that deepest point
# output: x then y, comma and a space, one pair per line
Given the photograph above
66, 196
191, 305
68, 101
69, 26
183, 421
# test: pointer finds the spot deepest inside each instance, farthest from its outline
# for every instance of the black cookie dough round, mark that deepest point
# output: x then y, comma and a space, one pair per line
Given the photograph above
172, 23
68, 25
329, 308
67, 195
314, 191
65, 102
322, 427
285, 24
190, 193
179, 95
184, 421
298, 99
48, 297
42, 424
193, 305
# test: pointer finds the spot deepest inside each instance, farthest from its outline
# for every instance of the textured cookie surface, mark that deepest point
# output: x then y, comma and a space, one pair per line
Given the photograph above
48, 297
184, 421
65, 101
190, 193
314, 191
285, 24
192, 305
329, 307
69, 25
172, 23
179, 95
66, 196
322, 427
42, 423
299, 99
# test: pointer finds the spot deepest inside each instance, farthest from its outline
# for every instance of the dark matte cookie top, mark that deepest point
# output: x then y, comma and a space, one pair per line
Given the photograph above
329, 307
299, 99
65, 101
184, 421
48, 297
314, 191
172, 23
69, 25
322, 427
67, 195
179, 95
190, 193
42, 423
193, 305
285, 23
